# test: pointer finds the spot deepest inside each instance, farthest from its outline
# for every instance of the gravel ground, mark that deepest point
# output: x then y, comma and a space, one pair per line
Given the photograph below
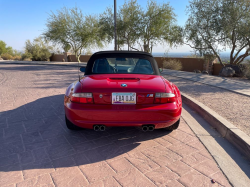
243, 79
233, 107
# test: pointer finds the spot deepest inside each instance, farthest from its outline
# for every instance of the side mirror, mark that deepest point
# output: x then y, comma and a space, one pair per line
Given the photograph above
161, 70
82, 69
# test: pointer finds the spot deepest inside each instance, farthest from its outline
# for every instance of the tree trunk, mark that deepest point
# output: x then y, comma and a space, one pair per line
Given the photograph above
128, 44
78, 58
146, 47
219, 60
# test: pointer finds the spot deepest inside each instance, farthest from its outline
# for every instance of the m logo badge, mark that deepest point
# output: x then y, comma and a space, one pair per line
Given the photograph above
150, 95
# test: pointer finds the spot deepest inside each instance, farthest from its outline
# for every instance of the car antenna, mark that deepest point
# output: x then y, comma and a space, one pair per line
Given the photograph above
78, 70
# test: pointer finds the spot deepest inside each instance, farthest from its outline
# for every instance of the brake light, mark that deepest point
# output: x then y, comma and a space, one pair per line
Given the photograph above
82, 98
164, 98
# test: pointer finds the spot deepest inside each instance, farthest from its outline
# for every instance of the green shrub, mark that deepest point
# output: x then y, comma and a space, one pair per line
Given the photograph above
17, 57
26, 56
26, 59
38, 50
6, 56
172, 64
66, 47
2, 47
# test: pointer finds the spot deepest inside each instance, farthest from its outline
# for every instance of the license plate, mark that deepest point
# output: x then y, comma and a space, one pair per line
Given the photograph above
123, 98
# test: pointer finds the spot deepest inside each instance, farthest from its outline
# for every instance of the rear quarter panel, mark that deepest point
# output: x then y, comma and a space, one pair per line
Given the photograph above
74, 87
170, 87
178, 95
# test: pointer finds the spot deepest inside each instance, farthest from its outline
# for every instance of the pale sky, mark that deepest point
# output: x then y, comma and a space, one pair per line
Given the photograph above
22, 20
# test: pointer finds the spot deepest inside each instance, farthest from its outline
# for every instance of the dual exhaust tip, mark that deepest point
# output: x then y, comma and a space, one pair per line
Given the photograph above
146, 128
99, 127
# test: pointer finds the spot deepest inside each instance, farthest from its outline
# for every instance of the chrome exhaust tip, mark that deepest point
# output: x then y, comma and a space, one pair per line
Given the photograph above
151, 127
144, 128
96, 127
102, 128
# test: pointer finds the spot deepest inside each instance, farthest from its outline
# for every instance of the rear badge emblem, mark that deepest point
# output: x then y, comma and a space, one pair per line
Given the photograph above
150, 95
123, 85
100, 95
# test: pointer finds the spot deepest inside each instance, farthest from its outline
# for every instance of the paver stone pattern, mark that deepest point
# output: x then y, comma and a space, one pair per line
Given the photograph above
36, 148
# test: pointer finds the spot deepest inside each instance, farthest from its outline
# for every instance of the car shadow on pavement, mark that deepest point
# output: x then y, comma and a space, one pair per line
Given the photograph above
35, 136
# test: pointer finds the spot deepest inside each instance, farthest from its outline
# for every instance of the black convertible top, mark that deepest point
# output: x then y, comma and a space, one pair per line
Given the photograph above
121, 54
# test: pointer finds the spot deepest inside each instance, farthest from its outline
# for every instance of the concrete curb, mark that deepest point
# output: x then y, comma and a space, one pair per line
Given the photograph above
234, 135
227, 156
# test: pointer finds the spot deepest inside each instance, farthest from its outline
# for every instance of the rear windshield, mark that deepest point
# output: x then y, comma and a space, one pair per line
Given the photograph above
122, 66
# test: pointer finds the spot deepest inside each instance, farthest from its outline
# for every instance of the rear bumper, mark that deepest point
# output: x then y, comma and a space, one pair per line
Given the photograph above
87, 115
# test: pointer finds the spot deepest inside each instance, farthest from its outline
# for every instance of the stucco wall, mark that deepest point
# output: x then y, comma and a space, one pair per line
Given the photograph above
83, 58
216, 69
57, 57
188, 64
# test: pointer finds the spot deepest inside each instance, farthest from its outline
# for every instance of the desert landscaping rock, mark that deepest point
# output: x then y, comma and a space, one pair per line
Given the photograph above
45, 153
239, 69
227, 72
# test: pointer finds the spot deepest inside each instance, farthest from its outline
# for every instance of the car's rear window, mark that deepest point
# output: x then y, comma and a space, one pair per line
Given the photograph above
122, 66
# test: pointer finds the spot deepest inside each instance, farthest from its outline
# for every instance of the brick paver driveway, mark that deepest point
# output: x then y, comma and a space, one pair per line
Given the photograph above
36, 149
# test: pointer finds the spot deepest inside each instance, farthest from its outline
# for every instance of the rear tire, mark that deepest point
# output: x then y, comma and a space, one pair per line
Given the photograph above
174, 126
70, 125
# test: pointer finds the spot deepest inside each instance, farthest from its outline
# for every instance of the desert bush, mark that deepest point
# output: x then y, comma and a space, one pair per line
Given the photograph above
26, 55
172, 64
6, 56
4, 49
38, 50
27, 59
17, 57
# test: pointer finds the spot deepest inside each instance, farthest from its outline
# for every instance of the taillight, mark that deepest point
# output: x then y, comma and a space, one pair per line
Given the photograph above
164, 98
82, 98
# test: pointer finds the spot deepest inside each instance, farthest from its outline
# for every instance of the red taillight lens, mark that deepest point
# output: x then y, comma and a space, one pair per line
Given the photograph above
164, 98
82, 98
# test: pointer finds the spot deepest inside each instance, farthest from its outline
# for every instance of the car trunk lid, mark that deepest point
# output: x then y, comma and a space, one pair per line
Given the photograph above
102, 86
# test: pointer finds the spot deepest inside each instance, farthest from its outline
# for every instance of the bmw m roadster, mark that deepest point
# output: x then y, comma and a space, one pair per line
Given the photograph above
122, 88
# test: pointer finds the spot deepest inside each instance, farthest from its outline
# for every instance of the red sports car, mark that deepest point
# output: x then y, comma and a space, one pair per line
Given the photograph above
122, 88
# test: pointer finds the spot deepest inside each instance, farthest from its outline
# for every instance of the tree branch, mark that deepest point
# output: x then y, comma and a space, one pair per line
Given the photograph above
235, 56
234, 46
242, 57
198, 48
134, 48
211, 47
